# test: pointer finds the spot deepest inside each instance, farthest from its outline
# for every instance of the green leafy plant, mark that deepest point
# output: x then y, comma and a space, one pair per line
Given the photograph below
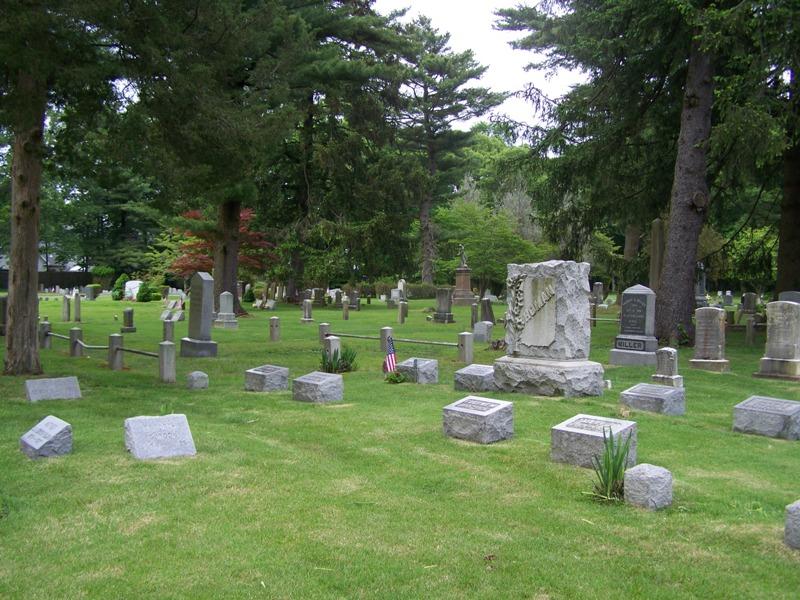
249, 295
118, 291
145, 293
395, 377
338, 362
609, 467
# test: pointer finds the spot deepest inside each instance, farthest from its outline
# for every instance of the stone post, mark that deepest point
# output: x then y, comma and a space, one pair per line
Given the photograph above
750, 330
76, 309
465, 347
115, 354
324, 331
65, 308
386, 333
275, 329
166, 362
333, 345
127, 321
473, 317
345, 308
401, 317
168, 332
75, 335
45, 341
307, 318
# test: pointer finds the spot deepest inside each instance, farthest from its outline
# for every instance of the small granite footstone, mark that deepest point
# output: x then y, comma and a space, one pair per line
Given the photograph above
58, 388
318, 387
420, 370
483, 331
197, 380
478, 419
49, 437
663, 399
791, 534
159, 437
475, 378
771, 417
578, 439
648, 486
266, 378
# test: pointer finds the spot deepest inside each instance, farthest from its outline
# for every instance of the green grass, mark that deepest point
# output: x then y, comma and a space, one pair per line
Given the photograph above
367, 498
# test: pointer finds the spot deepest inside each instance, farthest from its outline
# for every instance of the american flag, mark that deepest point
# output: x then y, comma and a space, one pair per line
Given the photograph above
390, 363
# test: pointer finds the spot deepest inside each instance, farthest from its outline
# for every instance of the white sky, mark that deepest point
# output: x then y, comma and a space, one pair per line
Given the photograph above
470, 24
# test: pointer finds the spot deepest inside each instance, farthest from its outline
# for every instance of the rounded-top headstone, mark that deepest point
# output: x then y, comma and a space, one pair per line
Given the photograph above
197, 380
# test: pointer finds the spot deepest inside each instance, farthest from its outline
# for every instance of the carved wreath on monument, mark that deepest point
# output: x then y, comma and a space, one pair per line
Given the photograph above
522, 310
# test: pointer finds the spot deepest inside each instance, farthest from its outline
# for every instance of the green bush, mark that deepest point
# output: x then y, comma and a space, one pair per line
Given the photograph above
338, 363
249, 295
145, 293
118, 291
609, 468
421, 290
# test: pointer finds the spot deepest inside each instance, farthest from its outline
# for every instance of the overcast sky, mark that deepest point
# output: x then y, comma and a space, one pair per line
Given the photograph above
470, 25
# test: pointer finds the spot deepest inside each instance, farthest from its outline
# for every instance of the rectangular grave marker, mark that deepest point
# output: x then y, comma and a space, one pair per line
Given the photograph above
166, 436
58, 388
478, 419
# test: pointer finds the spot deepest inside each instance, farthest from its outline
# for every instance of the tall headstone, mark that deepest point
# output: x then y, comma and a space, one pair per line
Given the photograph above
597, 293
337, 299
226, 318
65, 308
473, 314
728, 298
700, 291
345, 308
667, 368
636, 344
487, 314
462, 295
709, 340
403, 287
127, 321
749, 301
201, 305
444, 305
307, 312
548, 332
656, 252
782, 354
76, 306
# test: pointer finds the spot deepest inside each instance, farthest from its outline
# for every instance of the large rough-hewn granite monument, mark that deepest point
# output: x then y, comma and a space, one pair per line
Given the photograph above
201, 307
636, 344
548, 332
782, 354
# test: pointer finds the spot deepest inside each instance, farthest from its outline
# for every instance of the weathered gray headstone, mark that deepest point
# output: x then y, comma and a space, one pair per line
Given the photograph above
789, 296
420, 370
65, 308
548, 333
597, 292
473, 314
199, 343
663, 399
166, 436
345, 308
578, 439
444, 306
58, 388
478, 419
266, 378
127, 321
483, 332
333, 346
772, 417
782, 354
791, 531
49, 437
709, 340
197, 380
667, 368
307, 314
487, 313
727, 300
318, 387
226, 318
76, 308
636, 344
648, 486
749, 302
475, 378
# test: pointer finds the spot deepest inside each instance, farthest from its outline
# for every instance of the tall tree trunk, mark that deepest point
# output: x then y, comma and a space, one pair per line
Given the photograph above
633, 233
689, 200
22, 341
789, 229
428, 241
226, 253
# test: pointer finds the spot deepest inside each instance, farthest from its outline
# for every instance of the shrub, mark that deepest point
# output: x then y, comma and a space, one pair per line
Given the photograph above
118, 291
338, 363
609, 468
117, 294
395, 377
421, 290
145, 293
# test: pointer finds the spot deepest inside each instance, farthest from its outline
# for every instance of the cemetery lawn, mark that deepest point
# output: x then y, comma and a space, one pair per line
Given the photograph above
367, 498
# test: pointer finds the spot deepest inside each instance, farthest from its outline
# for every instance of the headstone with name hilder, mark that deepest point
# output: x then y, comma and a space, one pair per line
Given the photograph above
636, 344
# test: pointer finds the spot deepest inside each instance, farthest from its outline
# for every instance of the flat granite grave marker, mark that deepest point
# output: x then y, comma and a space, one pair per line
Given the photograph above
201, 306
318, 387
49, 437
578, 439
420, 370
650, 397
636, 344
782, 353
771, 417
548, 332
667, 368
57, 388
709, 340
479, 419
266, 378
166, 436
475, 378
